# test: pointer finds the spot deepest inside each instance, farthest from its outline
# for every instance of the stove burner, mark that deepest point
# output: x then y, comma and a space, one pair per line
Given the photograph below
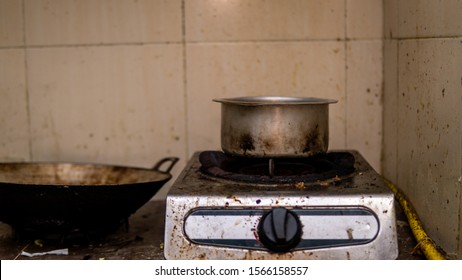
278, 170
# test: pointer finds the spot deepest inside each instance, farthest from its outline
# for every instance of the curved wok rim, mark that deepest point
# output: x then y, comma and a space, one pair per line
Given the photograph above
163, 175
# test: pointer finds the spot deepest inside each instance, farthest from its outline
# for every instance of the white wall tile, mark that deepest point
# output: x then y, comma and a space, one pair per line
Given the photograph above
119, 104
243, 20
364, 19
14, 126
364, 99
429, 18
11, 23
248, 69
390, 110
57, 22
430, 134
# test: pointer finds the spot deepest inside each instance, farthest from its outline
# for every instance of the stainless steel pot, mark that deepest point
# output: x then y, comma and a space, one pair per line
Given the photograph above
274, 126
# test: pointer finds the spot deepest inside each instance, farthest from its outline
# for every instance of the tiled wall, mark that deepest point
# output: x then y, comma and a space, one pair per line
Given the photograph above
422, 111
129, 82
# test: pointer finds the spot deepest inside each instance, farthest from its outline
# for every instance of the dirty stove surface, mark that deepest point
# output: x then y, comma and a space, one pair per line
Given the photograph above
328, 206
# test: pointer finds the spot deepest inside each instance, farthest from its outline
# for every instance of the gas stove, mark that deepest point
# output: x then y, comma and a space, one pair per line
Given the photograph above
329, 206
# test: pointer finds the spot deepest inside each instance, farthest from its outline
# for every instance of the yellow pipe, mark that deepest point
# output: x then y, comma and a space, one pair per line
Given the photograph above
425, 243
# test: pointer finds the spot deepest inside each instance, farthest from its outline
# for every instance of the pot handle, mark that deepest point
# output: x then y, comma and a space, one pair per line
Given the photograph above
172, 160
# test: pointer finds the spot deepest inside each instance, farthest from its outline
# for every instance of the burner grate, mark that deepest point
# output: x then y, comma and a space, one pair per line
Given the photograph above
278, 170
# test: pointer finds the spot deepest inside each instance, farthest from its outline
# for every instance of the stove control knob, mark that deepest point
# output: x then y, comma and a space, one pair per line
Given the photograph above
279, 230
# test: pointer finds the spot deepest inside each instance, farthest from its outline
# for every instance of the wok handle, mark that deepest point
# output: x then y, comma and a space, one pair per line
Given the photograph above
159, 164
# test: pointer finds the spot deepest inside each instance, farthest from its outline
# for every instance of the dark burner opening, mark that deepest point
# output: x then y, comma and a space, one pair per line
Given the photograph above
284, 170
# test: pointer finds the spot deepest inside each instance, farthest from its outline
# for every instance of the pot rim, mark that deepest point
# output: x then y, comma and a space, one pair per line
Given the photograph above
274, 100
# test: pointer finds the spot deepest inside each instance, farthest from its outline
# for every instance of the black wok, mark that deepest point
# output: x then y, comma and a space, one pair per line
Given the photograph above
57, 199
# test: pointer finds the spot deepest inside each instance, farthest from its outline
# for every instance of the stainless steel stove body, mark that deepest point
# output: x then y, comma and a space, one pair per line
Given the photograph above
347, 216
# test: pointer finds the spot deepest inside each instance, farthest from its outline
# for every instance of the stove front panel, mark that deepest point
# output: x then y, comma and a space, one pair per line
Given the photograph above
328, 231
350, 218
321, 227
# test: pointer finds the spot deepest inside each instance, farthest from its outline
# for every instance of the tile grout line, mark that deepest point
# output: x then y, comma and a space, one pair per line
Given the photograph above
86, 45
460, 188
345, 44
397, 101
459, 179
185, 78
26, 82
299, 40
183, 41
382, 140
428, 38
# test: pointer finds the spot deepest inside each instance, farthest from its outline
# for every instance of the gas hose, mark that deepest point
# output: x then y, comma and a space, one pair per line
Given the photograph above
424, 242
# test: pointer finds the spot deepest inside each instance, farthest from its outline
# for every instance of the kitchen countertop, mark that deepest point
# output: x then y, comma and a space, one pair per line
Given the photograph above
143, 239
